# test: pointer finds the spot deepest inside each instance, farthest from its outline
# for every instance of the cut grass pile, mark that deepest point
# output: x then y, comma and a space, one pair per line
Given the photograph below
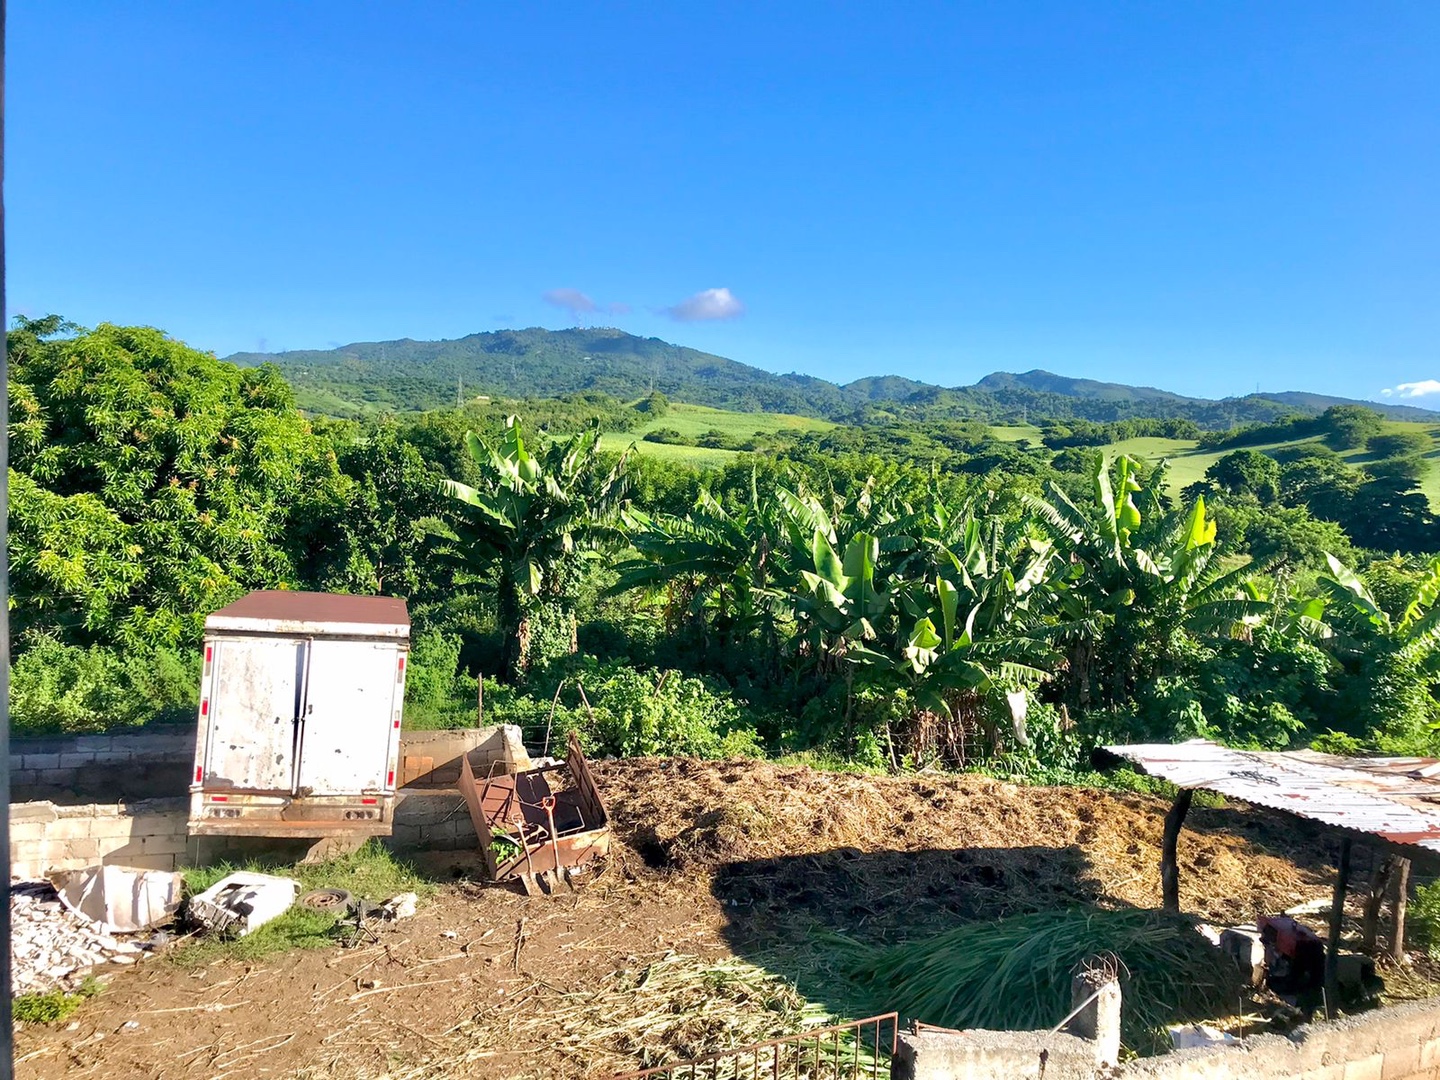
672, 1009
1014, 974
372, 872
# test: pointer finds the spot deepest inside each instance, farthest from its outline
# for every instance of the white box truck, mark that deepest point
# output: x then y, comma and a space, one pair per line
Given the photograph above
299, 726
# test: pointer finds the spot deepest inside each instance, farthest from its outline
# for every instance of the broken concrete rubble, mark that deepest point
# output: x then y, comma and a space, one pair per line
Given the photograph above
52, 948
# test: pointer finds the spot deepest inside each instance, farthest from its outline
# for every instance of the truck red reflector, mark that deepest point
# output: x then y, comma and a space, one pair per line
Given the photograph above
370, 802
402, 663
397, 725
219, 798
390, 778
199, 773
209, 652
205, 706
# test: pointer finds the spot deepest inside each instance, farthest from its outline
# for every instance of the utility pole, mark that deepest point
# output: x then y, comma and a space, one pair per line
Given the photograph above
459, 395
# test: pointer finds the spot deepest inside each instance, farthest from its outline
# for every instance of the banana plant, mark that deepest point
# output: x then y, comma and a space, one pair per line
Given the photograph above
1137, 575
1393, 658
526, 521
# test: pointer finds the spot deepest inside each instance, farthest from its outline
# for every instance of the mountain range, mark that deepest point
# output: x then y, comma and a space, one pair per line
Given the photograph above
366, 377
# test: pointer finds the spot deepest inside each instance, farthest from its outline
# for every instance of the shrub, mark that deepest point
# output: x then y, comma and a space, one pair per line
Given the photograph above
658, 713
55, 687
1424, 916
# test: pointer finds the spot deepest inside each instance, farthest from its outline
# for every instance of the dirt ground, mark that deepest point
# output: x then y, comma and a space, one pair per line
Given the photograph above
720, 866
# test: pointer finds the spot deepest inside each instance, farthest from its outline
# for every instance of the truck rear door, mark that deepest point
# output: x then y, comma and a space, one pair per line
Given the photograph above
350, 715
254, 698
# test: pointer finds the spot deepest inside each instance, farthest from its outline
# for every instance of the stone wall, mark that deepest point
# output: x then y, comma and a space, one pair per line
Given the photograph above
62, 834
1401, 1042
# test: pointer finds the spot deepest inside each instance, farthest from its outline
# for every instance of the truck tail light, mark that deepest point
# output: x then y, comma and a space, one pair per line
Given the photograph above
205, 706
402, 663
390, 778
397, 723
199, 773
370, 802
219, 798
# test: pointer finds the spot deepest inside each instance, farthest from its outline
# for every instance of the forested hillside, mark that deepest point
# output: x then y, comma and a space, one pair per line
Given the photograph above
904, 593
407, 375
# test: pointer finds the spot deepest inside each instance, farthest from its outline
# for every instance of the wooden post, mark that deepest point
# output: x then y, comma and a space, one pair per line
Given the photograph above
1332, 947
1169, 868
1373, 901
1397, 911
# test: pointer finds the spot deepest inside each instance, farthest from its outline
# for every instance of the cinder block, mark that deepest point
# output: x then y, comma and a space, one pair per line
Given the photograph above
32, 811
1366, 1068
111, 828
1401, 1062
172, 844
109, 810
57, 778
75, 828
85, 852
40, 761
113, 757
85, 744
75, 760
27, 830
158, 824
144, 862
75, 810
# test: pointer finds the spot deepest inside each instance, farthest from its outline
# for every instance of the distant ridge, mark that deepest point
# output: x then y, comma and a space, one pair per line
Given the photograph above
407, 374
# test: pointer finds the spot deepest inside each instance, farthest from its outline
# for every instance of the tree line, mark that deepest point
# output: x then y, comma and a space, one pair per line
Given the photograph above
968, 602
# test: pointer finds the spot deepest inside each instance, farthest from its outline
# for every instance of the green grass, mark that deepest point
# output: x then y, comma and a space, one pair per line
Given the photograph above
693, 421
372, 872
1016, 432
1188, 464
52, 1007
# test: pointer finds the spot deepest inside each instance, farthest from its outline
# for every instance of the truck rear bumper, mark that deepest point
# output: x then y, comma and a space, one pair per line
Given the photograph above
230, 813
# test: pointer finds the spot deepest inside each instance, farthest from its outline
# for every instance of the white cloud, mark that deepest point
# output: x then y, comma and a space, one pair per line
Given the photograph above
707, 304
572, 300
1413, 389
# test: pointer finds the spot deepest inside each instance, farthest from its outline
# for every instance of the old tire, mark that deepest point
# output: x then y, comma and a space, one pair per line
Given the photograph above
336, 901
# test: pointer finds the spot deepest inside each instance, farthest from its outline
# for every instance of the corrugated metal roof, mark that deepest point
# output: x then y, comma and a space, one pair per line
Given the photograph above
311, 609
1396, 799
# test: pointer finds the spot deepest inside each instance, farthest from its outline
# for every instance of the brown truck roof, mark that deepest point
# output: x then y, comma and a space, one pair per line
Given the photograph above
315, 607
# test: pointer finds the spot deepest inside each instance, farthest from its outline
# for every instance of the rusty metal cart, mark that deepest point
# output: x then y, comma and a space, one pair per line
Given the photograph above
532, 830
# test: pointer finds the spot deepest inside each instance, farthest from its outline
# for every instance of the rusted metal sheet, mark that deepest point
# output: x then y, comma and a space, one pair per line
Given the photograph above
547, 828
1396, 799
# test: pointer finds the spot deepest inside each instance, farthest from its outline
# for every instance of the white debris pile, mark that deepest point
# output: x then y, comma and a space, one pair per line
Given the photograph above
52, 948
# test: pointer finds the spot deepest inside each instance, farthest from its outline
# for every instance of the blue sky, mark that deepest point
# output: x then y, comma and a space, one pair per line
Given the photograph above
1206, 197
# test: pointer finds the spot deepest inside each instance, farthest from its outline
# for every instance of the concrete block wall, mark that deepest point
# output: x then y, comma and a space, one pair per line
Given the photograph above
150, 763
50, 835
45, 836
1401, 1042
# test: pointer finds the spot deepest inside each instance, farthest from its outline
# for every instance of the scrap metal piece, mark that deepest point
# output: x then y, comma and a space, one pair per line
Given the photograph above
242, 902
1393, 799
549, 831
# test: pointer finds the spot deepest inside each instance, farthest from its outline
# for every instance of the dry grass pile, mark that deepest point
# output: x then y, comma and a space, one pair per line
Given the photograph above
672, 1009
1011, 848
